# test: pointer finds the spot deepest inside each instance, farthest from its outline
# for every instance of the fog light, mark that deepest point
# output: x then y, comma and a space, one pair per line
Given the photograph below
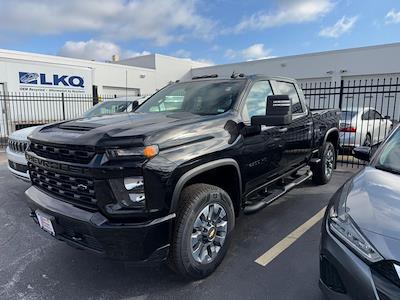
135, 188
134, 183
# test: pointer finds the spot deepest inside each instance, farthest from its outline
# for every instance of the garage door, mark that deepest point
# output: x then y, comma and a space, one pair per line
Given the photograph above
119, 91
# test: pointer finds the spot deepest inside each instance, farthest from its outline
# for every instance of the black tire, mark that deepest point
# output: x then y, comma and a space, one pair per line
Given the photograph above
368, 140
320, 172
194, 199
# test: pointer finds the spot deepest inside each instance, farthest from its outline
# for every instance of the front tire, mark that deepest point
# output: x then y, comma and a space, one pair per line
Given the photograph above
323, 171
205, 220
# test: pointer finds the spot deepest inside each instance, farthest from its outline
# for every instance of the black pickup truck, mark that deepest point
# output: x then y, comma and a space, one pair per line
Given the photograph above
168, 181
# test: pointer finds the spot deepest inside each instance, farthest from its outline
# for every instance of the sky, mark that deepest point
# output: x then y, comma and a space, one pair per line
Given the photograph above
215, 32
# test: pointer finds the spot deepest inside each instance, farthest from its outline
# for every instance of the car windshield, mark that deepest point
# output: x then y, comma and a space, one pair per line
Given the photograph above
201, 97
108, 108
347, 115
389, 158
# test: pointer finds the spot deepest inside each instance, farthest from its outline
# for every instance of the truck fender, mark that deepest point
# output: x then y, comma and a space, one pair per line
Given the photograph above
197, 171
334, 129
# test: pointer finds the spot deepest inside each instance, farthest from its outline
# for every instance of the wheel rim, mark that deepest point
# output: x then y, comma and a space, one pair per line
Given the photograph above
209, 232
329, 162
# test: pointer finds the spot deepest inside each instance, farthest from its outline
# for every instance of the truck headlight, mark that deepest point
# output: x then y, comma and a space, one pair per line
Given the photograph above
147, 152
344, 228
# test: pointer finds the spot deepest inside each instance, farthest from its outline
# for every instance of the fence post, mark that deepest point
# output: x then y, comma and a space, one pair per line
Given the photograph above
341, 94
63, 105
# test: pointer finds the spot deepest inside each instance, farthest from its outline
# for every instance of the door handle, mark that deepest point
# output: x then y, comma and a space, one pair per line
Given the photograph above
282, 130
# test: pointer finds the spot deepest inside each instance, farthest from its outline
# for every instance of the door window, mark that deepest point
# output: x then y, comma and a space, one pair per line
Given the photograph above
288, 88
377, 116
368, 115
256, 101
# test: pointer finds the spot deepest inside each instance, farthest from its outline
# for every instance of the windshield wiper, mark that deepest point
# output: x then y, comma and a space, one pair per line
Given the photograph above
387, 169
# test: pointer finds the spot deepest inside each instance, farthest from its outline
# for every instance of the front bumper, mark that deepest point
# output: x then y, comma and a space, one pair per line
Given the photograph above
349, 277
86, 230
17, 164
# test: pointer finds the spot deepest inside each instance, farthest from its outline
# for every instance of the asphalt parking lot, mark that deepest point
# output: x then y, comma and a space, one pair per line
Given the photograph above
34, 266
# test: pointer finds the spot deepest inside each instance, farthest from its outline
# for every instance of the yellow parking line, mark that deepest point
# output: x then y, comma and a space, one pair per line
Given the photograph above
285, 243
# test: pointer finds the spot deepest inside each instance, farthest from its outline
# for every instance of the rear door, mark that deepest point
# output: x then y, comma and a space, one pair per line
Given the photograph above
298, 138
263, 145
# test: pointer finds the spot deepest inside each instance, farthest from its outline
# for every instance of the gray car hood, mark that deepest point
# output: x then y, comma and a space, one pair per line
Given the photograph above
374, 204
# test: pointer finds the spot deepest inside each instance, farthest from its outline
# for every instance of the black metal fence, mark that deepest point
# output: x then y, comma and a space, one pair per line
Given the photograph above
369, 110
20, 110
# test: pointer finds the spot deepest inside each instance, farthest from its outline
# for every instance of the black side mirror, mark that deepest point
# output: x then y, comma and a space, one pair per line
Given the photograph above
362, 152
387, 117
135, 105
278, 113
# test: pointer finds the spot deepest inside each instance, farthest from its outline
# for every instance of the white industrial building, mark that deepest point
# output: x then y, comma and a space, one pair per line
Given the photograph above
146, 74
31, 74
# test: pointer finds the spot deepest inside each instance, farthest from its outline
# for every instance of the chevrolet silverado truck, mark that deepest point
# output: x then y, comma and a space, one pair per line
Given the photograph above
168, 180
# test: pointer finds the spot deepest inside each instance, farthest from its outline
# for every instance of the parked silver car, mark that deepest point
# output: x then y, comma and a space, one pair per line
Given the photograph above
363, 127
18, 140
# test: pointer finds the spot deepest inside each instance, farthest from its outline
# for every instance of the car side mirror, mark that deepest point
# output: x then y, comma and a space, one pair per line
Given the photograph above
278, 112
387, 117
135, 105
362, 152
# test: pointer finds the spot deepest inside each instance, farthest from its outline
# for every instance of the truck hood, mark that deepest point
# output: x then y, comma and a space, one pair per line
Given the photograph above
22, 134
374, 204
120, 129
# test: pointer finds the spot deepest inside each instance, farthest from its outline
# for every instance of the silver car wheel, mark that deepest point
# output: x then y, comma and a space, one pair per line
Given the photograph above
209, 232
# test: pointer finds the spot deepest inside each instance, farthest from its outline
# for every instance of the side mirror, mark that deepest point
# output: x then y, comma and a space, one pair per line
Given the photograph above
362, 152
387, 117
135, 105
278, 113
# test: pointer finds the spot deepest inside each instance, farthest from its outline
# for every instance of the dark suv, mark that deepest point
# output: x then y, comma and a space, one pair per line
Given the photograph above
168, 180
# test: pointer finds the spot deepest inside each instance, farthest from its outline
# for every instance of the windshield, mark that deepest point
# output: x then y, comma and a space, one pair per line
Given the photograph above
108, 108
201, 97
347, 115
389, 158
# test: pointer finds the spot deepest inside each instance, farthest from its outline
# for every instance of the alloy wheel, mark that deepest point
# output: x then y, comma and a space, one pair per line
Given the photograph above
209, 232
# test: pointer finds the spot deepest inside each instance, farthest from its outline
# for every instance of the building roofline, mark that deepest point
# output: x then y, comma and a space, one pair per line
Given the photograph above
280, 58
22, 55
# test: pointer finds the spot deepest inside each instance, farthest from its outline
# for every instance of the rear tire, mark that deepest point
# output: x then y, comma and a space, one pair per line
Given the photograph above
202, 232
322, 172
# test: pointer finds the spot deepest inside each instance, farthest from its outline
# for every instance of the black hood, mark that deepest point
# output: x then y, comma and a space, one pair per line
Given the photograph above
374, 204
122, 129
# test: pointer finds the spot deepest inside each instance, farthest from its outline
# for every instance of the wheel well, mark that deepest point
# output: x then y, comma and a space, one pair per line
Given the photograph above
333, 137
225, 177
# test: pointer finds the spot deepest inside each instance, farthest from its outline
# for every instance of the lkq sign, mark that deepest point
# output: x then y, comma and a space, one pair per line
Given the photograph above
53, 82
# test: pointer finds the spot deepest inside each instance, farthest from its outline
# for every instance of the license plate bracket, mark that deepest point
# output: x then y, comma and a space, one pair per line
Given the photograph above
46, 222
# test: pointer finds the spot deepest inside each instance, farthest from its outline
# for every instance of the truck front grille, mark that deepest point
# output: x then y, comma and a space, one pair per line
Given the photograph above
17, 146
68, 153
78, 191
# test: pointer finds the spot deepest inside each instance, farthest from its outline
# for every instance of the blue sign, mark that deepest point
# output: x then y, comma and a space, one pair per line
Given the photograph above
55, 80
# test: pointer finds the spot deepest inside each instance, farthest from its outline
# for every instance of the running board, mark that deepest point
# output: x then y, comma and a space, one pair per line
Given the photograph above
275, 194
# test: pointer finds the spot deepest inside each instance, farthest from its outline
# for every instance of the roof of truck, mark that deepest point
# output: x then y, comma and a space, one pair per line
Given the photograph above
253, 77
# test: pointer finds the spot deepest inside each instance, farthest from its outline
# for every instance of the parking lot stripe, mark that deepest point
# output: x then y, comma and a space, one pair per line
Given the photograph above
285, 243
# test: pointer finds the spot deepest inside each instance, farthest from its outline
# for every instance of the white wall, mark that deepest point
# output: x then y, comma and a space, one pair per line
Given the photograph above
382, 59
167, 68
102, 74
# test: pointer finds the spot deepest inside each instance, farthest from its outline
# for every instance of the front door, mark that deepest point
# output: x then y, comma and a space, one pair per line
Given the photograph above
263, 145
298, 139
